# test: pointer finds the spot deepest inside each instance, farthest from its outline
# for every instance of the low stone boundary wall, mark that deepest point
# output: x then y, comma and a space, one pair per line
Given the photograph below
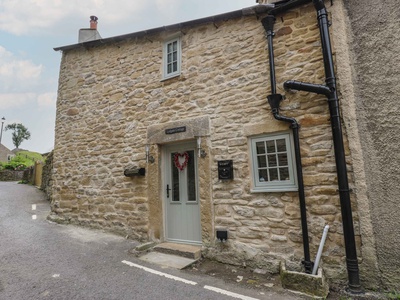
47, 180
11, 175
28, 174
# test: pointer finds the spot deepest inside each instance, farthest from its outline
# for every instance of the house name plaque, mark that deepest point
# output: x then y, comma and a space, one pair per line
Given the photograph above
175, 130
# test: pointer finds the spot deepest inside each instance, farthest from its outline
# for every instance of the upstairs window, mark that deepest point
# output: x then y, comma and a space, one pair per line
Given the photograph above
172, 58
273, 163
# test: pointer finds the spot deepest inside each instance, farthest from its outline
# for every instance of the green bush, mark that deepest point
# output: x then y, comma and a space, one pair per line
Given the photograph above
16, 163
393, 295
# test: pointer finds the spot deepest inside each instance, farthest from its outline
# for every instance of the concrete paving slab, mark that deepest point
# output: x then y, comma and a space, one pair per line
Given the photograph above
167, 260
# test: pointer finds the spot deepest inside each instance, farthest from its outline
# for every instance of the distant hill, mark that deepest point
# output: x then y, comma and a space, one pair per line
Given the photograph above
29, 157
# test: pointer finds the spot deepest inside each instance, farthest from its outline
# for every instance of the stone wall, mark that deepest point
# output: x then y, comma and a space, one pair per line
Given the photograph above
11, 175
29, 175
110, 95
47, 179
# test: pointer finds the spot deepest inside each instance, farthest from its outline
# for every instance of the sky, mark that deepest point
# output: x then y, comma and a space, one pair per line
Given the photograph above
29, 66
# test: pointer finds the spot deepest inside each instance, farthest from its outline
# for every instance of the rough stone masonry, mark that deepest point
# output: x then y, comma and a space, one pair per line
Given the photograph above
109, 95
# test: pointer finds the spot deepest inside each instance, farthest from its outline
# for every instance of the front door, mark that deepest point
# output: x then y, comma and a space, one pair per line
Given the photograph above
182, 209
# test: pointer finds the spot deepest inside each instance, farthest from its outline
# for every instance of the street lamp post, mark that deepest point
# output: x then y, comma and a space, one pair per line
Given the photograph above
1, 132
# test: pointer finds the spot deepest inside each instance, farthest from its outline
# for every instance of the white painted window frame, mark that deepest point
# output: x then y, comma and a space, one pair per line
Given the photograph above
274, 186
167, 75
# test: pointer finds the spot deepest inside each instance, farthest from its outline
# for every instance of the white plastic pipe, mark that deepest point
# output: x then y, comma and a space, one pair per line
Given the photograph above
321, 247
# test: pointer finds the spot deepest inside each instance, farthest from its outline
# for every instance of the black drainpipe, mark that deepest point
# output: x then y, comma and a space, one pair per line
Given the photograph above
329, 90
274, 100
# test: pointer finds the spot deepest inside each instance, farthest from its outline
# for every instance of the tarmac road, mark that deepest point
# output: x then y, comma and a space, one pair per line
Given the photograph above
43, 260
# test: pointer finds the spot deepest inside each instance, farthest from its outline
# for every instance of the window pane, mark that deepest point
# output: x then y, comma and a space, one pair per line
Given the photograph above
262, 162
174, 179
282, 159
273, 174
281, 144
263, 175
271, 147
271, 166
191, 178
284, 173
171, 58
272, 160
260, 146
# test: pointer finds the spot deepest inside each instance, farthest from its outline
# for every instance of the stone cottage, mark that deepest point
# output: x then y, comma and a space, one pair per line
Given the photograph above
167, 135
5, 154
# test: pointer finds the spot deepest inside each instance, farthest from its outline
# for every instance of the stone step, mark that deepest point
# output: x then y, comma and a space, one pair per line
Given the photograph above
167, 260
188, 251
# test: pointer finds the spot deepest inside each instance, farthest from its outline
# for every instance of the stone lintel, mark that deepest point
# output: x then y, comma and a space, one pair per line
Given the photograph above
266, 127
193, 128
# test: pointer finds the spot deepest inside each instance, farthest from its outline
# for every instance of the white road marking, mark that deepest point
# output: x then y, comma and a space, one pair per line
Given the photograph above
227, 293
56, 275
33, 217
33, 206
158, 273
207, 287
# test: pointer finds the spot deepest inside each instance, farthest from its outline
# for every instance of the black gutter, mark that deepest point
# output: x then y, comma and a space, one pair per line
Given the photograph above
333, 101
274, 100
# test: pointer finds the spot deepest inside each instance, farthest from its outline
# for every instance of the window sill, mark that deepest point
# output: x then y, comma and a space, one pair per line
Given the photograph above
170, 77
273, 190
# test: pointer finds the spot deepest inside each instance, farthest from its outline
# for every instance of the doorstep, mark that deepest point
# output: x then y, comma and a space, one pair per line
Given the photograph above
188, 251
178, 256
167, 260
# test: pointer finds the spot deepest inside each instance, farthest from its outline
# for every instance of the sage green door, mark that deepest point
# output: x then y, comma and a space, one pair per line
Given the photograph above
182, 209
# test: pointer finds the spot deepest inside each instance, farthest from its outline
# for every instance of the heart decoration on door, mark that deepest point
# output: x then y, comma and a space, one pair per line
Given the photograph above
177, 162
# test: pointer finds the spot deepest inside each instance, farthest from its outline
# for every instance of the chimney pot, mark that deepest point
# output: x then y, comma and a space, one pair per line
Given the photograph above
93, 22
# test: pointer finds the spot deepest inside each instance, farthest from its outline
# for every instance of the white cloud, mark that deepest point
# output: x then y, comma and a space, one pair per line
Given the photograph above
47, 99
16, 100
65, 17
22, 17
15, 72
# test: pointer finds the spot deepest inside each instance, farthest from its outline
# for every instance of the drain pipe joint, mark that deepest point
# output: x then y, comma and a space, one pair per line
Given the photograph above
268, 23
307, 87
274, 101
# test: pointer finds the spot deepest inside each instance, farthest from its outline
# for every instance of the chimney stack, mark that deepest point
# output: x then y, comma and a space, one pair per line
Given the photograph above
93, 22
89, 34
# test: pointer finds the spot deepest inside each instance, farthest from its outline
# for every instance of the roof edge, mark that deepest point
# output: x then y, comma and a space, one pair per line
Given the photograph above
276, 8
252, 10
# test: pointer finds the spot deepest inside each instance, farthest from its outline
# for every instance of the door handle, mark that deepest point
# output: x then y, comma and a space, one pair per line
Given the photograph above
168, 189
